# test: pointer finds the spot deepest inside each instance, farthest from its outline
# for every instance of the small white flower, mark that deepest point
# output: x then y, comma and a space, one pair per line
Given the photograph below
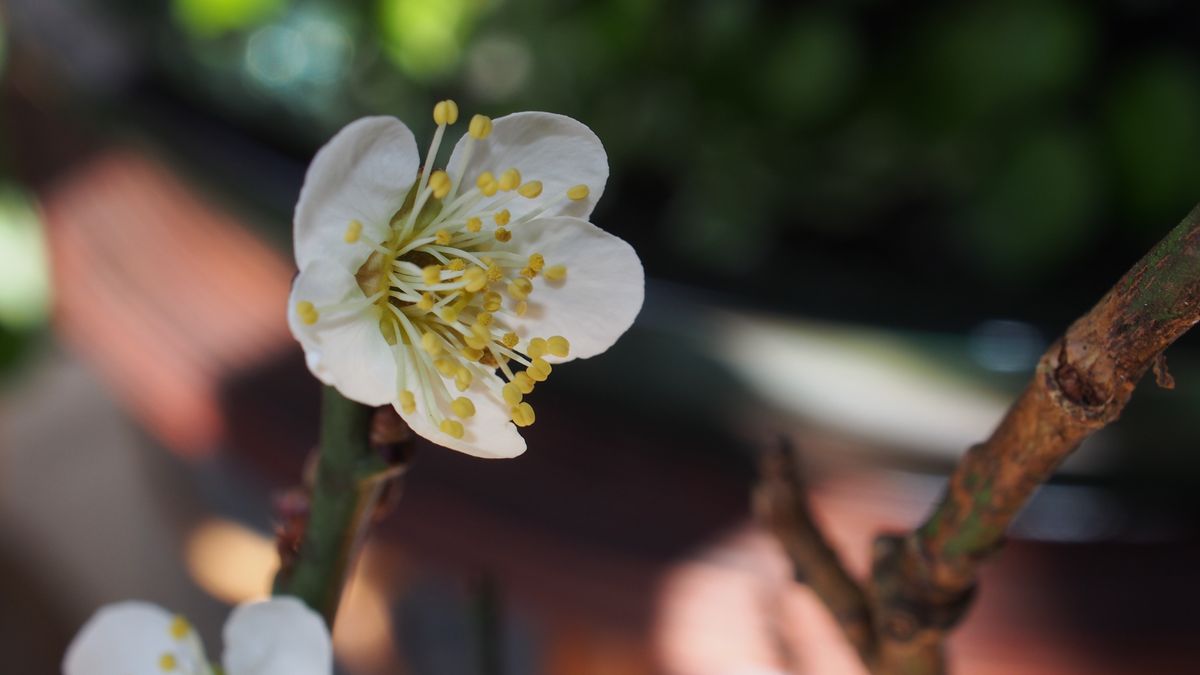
280, 636
450, 293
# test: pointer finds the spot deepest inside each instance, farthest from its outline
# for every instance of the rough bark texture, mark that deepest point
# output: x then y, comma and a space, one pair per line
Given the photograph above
922, 582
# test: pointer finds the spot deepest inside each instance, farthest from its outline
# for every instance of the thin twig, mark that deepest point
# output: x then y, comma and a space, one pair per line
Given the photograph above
781, 504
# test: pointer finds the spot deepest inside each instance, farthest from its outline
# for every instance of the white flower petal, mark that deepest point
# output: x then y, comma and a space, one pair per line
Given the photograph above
598, 300
344, 348
129, 638
363, 173
280, 636
555, 149
489, 433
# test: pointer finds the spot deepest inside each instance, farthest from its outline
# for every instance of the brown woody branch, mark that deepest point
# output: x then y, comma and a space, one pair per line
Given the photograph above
922, 582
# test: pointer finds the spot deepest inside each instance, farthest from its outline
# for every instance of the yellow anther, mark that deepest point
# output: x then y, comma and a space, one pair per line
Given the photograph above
483, 332
445, 112
475, 279
480, 127
445, 366
408, 402
512, 393
521, 308
578, 192
463, 377
449, 314
484, 179
474, 224
483, 319
426, 302
475, 342
452, 428
463, 407
510, 179
537, 347
440, 183
431, 274
353, 232
531, 189
490, 189
555, 272
307, 312
431, 344
528, 272
539, 366
167, 663
510, 339
522, 414
559, 346
458, 264
471, 354
492, 301
494, 273
503, 217
442, 237
536, 262
503, 234
519, 288
536, 375
524, 382
180, 627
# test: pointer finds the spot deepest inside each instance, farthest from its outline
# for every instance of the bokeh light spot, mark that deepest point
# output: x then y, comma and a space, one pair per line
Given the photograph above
209, 18
424, 37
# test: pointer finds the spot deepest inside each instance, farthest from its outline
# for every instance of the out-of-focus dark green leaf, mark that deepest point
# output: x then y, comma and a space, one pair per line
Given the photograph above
1153, 116
1035, 209
811, 69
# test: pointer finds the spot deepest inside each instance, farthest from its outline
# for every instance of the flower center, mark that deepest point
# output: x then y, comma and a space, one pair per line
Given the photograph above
448, 288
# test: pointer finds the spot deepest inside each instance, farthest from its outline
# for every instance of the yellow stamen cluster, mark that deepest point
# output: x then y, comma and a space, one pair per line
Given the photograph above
436, 283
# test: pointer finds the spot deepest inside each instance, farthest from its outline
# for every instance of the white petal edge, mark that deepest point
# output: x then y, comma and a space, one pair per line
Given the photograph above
363, 173
127, 638
488, 434
600, 297
557, 150
343, 348
280, 636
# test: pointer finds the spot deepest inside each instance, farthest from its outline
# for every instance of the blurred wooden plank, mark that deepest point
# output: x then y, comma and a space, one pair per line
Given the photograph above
162, 291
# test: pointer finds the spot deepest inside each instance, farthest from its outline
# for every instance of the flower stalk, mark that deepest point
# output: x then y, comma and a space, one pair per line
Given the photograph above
352, 478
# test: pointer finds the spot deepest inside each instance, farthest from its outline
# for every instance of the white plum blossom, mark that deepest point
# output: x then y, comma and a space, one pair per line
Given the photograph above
450, 293
280, 636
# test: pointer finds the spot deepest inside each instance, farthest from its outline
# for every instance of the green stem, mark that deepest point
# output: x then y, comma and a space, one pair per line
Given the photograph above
351, 477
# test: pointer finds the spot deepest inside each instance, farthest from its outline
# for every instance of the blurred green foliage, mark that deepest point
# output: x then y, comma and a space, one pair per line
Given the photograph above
1000, 142
210, 18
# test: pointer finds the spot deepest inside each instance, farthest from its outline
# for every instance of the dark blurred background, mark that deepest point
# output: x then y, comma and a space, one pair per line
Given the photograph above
861, 222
